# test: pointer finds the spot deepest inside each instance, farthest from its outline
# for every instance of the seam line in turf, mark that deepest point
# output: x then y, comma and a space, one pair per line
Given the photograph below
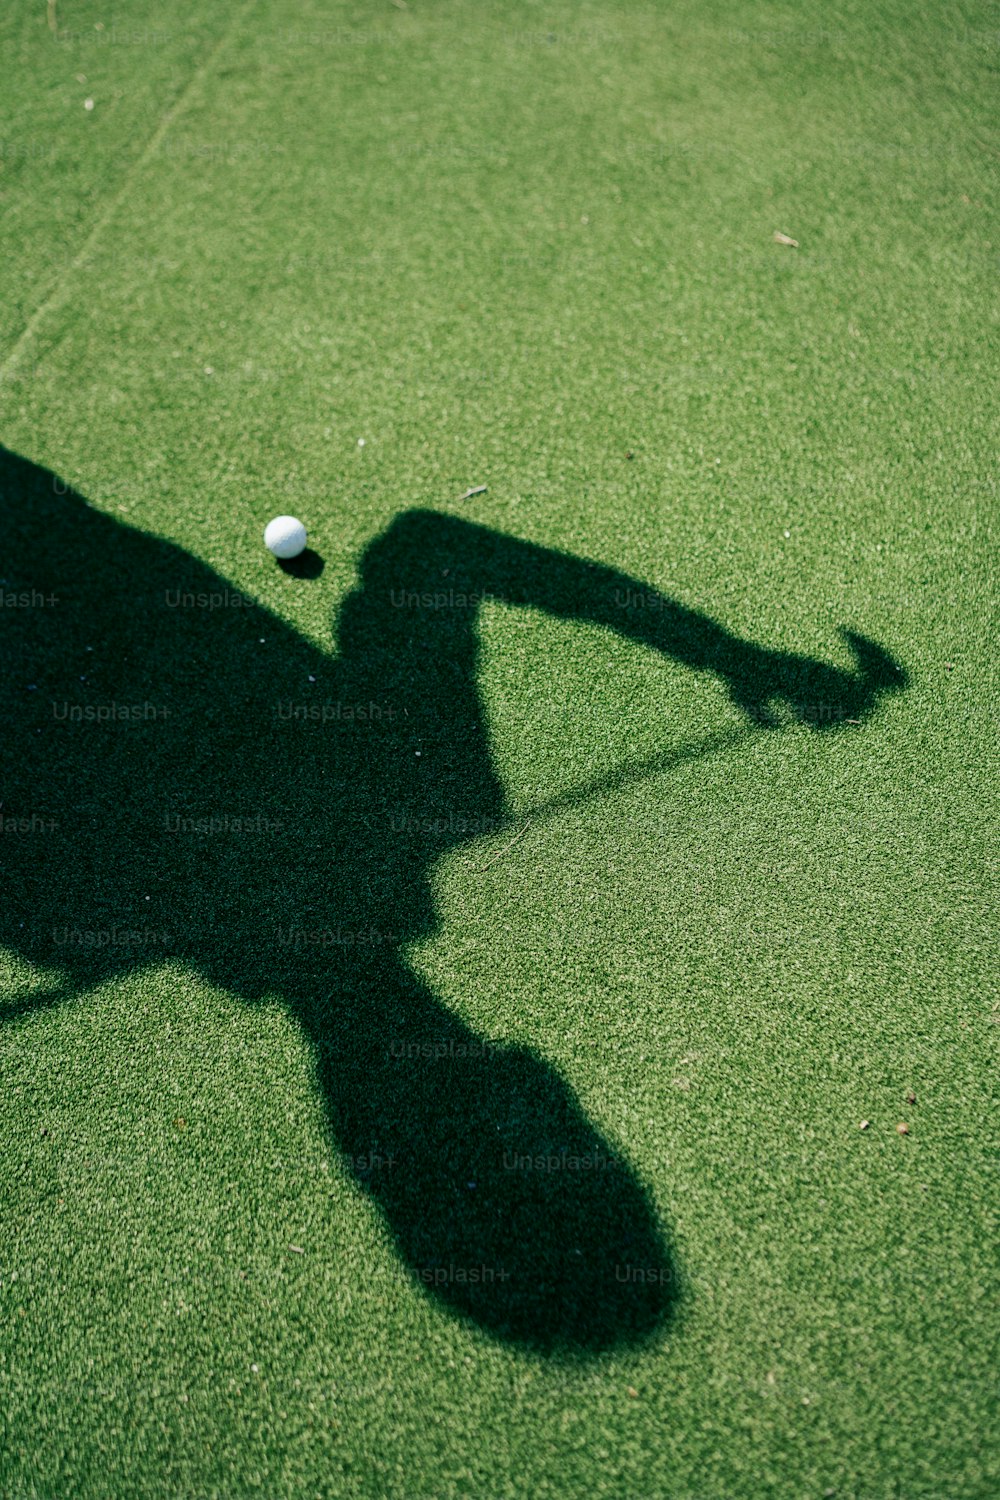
56, 296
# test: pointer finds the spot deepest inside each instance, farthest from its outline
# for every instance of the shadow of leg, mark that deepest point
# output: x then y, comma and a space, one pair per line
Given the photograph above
505, 1202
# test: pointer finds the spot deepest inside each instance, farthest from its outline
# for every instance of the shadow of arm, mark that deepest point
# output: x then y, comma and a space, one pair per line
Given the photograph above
425, 555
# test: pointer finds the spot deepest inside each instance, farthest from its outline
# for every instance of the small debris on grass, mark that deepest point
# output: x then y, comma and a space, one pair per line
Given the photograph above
88, 103
630, 454
520, 834
902, 1129
911, 1098
864, 1124
480, 489
298, 1249
632, 1392
784, 239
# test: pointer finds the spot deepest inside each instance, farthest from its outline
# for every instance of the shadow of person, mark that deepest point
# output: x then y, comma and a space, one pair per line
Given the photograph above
189, 778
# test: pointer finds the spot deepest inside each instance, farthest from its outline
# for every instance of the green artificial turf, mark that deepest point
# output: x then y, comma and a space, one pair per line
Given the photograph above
473, 1108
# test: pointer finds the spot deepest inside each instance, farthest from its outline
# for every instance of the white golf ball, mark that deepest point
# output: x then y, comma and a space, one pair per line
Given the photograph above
285, 537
